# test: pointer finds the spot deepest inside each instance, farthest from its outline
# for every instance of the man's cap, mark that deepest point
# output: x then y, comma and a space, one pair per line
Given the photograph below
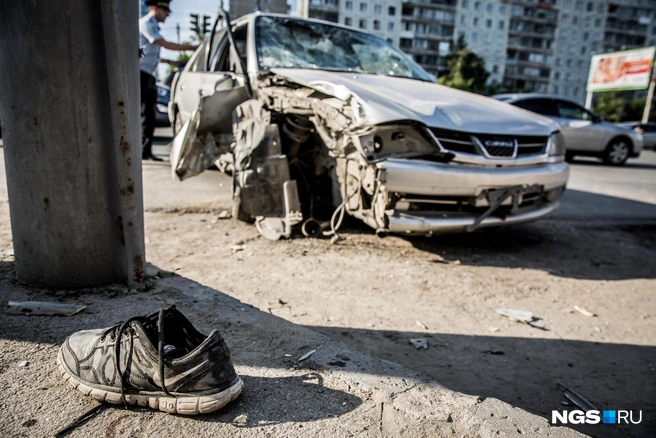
159, 4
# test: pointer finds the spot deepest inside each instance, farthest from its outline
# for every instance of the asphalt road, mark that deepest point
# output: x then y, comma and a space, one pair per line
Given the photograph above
628, 193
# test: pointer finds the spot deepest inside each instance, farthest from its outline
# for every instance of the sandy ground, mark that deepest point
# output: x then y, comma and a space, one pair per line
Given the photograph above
376, 294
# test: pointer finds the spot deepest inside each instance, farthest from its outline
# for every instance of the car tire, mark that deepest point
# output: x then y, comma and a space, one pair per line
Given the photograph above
617, 152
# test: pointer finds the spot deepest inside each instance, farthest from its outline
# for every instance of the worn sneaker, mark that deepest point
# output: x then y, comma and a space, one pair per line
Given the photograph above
165, 364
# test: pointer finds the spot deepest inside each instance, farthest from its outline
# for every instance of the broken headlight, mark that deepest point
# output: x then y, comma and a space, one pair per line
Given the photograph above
395, 140
556, 145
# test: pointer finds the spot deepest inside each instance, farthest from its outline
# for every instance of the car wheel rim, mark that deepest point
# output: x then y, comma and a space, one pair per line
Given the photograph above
619, 152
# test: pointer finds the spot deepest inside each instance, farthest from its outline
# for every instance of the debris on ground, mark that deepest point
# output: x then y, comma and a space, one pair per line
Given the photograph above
8, 252
43, 308
306, 355
583, 311
23, 364
576, 398
495, 352
523, 316
422, 325
241, 419
419, 343
236, 248
225, 214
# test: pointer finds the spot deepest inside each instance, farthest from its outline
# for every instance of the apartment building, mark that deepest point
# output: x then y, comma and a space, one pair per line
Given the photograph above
528, 45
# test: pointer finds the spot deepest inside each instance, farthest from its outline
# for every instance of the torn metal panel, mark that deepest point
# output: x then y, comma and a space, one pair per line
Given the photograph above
206, 135
262, 178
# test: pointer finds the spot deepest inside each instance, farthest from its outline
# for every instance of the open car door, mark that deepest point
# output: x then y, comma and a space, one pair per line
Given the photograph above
206, 98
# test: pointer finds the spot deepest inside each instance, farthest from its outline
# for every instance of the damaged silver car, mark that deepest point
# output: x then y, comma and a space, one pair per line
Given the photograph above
315, 120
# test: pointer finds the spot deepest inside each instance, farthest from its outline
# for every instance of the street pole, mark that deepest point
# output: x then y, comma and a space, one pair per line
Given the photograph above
650, 95
69, 123
177, 30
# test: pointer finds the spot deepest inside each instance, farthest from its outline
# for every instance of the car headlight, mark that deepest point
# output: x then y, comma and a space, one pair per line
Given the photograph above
556, 145
400, 140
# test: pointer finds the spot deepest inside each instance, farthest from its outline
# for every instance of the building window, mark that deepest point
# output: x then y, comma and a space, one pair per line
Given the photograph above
477, 6
474, 36
502, 9
363, 7
378, 9
465, 4
589, 7
575, 19
348, 21
569, 63
391, 10
586, 35
376, 25
390, 26
495, 69
488, 23
490, 8
463, 19
348, 5
501, 24
597, 22
556, 76
475, 21
363, 24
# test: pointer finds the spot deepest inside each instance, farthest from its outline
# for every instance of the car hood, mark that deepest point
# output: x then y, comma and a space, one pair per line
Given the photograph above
386, 99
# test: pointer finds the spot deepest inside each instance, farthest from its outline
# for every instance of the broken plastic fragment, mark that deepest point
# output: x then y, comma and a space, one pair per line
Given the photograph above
582, 311
306, 355
516, 315
419, 343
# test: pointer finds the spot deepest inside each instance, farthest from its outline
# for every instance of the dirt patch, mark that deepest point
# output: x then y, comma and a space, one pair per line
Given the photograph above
376, 294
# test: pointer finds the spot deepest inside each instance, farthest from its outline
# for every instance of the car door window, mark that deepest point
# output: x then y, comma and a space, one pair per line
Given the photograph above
197, 61
568, 110
540, 106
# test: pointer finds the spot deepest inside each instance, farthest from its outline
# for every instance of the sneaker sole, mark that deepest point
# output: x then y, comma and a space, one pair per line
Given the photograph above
183, 405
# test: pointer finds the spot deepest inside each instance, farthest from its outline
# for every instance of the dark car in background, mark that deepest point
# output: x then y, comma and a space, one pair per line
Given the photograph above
585, 133
162, 106
164, 96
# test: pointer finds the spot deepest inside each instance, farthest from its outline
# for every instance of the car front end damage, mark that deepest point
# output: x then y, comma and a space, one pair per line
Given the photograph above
328, 121
302, 155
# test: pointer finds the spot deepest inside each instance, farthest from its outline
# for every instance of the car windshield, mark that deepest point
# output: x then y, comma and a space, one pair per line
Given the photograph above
284, 42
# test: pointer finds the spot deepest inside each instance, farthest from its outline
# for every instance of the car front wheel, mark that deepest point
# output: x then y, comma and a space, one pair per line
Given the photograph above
617, 152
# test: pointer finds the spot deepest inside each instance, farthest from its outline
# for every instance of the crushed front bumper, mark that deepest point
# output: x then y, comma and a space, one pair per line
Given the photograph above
435, 197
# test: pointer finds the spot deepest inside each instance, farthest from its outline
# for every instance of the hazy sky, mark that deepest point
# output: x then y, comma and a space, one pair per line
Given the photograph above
181, 10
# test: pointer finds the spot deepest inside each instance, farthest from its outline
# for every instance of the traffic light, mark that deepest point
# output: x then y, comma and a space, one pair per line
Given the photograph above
206, 24
194, 24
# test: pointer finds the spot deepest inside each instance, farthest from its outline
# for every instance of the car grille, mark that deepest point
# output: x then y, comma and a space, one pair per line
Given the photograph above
499, 146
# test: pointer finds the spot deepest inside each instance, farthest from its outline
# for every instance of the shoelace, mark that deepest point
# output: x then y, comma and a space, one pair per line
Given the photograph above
117, 350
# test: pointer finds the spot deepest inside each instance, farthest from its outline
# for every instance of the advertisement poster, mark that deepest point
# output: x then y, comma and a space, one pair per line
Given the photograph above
626, 70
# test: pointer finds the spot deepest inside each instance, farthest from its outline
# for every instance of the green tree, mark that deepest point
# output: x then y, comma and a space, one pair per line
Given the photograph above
610, 105
637, 107
465, 69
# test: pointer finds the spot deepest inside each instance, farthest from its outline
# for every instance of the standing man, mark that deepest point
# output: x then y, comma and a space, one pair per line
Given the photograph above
150, 42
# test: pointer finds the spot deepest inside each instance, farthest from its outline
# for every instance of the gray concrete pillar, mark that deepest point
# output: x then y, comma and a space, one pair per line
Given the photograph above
72, 150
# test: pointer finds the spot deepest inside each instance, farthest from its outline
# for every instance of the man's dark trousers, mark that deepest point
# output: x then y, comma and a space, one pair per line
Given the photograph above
148, 102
